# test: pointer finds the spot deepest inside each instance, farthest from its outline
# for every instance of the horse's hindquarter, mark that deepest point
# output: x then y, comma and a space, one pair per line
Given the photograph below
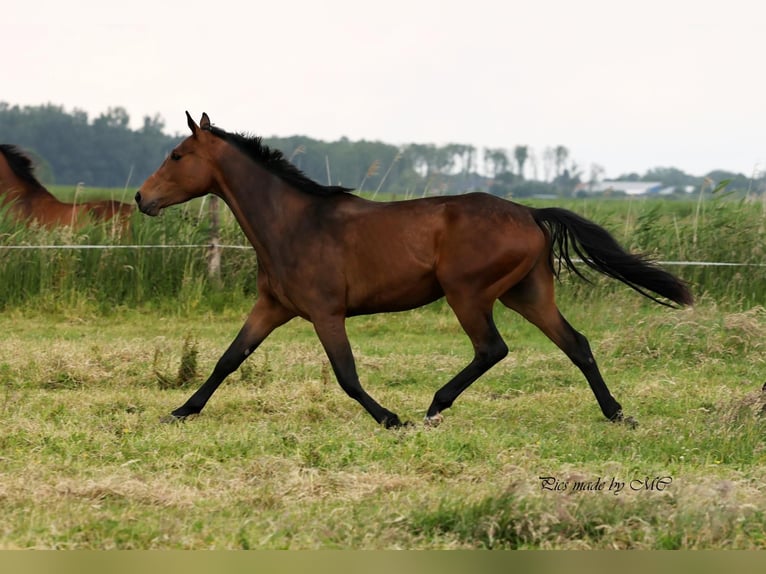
490, 245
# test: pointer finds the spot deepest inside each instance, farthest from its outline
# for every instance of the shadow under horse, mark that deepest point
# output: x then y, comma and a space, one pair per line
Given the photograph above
325, 254
29, 201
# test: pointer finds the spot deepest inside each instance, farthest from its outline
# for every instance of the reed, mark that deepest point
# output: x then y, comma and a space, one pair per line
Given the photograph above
721, 237
143, 268
92, 268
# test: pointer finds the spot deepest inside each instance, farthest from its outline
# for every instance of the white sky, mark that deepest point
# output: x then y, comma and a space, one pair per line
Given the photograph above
626, 85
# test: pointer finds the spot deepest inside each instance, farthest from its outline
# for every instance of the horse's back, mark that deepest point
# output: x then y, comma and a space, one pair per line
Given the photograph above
107, 209
469, 208
420, 227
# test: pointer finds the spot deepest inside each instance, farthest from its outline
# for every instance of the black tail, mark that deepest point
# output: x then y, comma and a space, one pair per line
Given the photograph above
599, 250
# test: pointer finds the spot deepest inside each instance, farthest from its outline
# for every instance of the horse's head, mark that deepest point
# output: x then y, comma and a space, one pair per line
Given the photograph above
186, 173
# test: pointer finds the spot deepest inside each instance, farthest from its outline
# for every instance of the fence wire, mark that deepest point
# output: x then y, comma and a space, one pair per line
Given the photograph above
247, 247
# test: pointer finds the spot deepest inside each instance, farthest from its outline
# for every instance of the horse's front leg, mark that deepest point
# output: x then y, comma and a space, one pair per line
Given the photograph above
266, 315
332, 334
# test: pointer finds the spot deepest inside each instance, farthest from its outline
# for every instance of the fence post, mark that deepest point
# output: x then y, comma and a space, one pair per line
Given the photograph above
214, 251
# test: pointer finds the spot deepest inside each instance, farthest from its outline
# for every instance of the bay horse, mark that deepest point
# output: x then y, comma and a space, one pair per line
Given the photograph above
29, 201
325, 254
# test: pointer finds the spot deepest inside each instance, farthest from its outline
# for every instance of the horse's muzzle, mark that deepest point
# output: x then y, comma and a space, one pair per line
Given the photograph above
148, 208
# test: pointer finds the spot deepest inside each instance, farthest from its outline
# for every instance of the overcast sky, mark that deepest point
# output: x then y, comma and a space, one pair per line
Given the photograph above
626, 85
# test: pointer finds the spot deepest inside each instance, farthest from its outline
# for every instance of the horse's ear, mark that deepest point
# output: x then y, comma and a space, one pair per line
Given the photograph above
204, 123
192, 126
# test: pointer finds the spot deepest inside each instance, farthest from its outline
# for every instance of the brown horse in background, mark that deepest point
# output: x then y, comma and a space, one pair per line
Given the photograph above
29, 201
325, 254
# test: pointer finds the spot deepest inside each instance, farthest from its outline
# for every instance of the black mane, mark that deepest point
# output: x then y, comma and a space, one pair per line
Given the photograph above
275, 161
20, 163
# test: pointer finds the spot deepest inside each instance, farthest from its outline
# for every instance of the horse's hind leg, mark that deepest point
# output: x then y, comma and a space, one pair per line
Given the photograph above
533, 299
489, 349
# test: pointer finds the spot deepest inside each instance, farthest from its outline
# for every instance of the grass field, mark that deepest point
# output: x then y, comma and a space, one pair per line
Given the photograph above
96, 346
281, 458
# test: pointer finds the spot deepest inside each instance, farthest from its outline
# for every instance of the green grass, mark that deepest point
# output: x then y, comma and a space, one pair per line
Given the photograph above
132, 270
281, 458
97, 345
713, 229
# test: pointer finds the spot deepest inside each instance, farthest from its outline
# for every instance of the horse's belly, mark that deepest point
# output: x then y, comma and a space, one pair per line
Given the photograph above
392, 294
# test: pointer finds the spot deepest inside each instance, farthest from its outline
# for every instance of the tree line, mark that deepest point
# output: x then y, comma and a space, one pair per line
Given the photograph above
72, 148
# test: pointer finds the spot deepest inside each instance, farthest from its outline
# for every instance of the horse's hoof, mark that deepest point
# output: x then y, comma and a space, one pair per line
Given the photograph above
393, 422
434, 421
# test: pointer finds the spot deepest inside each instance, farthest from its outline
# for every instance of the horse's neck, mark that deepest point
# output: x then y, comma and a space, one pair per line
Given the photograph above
6, 172
9, 183
12, 189
35, 193
265, 207
16, 188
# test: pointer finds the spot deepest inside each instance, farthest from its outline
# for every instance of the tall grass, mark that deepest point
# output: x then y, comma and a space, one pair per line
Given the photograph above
138, 271
160, 262
722, 239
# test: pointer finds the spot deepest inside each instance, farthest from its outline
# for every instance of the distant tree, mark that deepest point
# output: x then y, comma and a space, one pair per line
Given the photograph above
70, 148
102, 153
534, 163
568, 180
549, 164
502, 183
633, 176
422, 157
596, 173
373, 165
561, 156
496, 161
116, 118
153, 124
469, 159
670, 176
521, 154
735, 181
531, 188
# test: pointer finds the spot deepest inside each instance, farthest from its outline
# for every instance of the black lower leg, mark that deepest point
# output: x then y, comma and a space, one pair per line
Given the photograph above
332, 334
486, 356
345, 373
242, 347
199, 399
582, 356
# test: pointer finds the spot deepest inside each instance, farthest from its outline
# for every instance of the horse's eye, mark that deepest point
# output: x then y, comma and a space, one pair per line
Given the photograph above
175, 156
